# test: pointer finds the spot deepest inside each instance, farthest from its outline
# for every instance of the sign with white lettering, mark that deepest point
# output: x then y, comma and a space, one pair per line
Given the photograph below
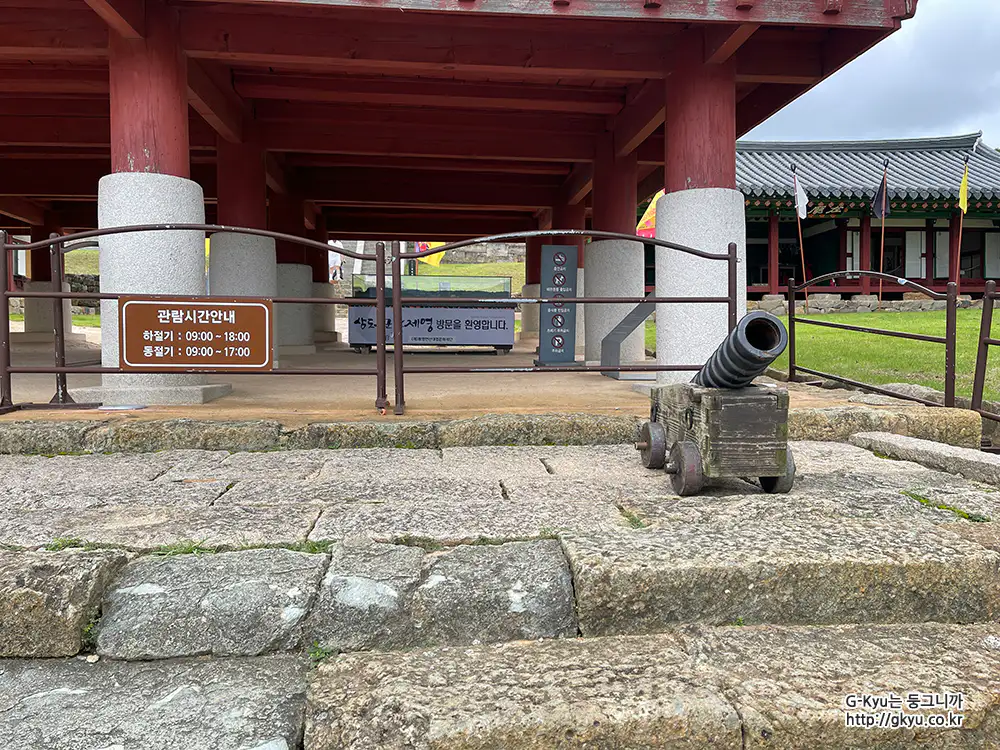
437, 326
557, 322
184, 334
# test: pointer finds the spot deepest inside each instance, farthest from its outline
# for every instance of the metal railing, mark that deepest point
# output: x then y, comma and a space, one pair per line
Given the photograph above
986, 340
58, 246
948, 340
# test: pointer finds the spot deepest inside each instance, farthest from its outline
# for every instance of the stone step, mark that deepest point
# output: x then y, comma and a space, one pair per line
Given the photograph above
736, 687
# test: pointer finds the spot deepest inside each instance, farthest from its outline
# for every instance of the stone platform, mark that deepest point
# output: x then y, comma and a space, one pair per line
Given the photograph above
515, 597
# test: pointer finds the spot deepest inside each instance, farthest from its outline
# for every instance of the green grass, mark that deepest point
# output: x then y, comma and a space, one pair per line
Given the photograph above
514, 270
86, 321
879, 359
82, 261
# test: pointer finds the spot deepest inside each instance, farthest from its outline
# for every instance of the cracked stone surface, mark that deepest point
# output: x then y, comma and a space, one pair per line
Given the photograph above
48, 599
223, 704
764, 686
358, 489
388, 596
971, 464
229, 604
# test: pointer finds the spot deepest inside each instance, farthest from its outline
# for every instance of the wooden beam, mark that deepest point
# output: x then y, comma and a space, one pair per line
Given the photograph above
578, 185
651, 184
34, 34
127, 18
346, 223
275, 175
74, 180
640, 118
34, 79
764, 102
368, 187
68, 132
400, 140
721, 42
785, 12
221, 106
435, 45
436, 165
428, 93
794, 61
23, 210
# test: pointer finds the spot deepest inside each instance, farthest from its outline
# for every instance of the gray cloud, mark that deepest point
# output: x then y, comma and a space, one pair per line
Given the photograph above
938, 75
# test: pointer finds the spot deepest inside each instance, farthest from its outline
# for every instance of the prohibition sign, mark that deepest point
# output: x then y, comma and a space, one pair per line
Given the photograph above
558, 321
558, 342
559, 259
559, 279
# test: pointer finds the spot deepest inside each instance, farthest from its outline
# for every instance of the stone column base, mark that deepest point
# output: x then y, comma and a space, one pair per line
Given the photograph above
324, 316
529, 314
170, 395
615, 268
293, 327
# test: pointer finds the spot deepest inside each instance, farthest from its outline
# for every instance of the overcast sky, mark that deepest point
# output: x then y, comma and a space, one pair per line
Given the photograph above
938, 75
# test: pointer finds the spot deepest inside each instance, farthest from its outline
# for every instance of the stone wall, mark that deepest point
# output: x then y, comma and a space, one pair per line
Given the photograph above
497, 252
88, 283
823, 303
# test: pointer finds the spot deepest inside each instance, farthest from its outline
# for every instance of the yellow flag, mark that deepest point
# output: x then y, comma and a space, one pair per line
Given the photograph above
963, 192
431, 260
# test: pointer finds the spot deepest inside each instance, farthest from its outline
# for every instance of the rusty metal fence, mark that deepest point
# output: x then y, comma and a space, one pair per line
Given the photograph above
59, 245
986, 340
948, 340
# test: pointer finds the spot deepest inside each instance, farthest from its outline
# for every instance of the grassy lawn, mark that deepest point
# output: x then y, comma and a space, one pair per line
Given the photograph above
82, 261
514, 270
879, 359
86, 321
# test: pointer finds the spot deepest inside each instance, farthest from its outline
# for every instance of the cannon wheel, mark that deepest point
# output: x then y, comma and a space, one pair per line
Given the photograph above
780, 485
653, 438
684, 466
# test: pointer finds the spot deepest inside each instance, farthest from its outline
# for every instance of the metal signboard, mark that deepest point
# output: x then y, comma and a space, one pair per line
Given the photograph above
437, 326
213, 333
557, 322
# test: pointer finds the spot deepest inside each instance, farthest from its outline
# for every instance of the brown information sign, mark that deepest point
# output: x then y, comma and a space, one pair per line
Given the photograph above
185, 334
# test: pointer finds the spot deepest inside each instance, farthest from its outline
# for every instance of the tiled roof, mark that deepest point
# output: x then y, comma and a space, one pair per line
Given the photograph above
919, 169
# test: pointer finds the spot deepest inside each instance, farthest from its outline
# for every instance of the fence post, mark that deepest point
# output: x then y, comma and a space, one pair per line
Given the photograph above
381, 396
6, 399
791, 330
56, 265
982, 356
733, 287
950, 335
397, 328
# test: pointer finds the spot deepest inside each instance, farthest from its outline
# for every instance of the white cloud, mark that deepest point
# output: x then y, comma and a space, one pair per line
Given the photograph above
938, 75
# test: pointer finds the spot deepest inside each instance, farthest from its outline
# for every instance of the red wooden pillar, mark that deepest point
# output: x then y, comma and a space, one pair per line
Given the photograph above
773, 236
242, 185
930, 239
286, 214
571, 217
842, 240
954, 248
615, 189
533, 260
701, 120
866, 253
41, 268
149, 97
319, 259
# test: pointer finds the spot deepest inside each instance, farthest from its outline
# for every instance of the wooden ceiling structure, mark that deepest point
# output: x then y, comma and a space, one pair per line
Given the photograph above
428, 119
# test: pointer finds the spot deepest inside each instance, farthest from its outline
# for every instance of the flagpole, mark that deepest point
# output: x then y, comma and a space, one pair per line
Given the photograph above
798, 220
881, 255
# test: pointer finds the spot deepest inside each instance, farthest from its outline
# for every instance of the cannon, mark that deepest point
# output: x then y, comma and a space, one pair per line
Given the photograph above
720, 424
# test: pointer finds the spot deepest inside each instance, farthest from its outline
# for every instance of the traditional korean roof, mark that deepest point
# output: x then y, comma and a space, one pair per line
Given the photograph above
919, 169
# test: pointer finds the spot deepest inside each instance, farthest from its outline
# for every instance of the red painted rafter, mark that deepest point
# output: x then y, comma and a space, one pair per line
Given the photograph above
427, 93
38, 35
218, 104
351, 223
640, 118
785, 12
578, 185
436, 165
73, 180
34, 79
23, 210
722, 42
127, 18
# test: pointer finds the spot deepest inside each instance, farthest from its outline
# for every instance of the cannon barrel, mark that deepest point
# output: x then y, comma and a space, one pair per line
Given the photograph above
758, 339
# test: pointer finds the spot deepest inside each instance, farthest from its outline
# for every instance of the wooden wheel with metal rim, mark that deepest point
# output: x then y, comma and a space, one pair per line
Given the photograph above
684, 467
783, 484
652, 445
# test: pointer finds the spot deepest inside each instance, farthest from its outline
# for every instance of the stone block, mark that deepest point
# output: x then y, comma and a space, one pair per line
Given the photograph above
223, 704
381, 464
966, 462
837, 423
228, 604
572, 694
352, 489
743, 562
277, 466
144, 528
494, 462
539, 429
48, 599
141, 436
364, 435
48, 438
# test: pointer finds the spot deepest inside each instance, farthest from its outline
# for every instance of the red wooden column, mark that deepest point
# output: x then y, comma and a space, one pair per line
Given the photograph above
773, 235
286, 214
842, 240
701, 121
866, 253
41, 268
149, 97
242, 185
571, 217
533, 260
615, 189
319, 259
930, 239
